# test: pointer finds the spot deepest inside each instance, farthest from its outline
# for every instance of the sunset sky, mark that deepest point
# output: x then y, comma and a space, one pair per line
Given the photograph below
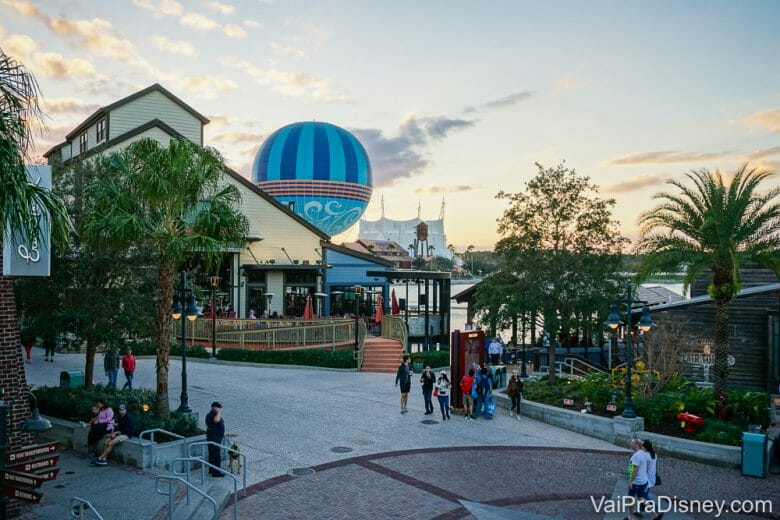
451, 99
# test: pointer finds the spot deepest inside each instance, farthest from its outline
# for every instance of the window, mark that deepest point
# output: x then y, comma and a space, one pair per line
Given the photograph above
83, 142
101, 130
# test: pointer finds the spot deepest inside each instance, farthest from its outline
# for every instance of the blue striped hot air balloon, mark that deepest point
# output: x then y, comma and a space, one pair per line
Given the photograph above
318, 169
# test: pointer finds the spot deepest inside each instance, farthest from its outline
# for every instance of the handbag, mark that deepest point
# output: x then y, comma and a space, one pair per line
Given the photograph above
658, 479
435, 392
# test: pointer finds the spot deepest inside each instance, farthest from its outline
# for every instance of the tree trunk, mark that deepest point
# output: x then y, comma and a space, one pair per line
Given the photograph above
161, 331
89, 367
722, 347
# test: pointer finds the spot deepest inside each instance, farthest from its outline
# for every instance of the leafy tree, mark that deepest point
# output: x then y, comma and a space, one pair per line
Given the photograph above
20, 201
559, 238
711, 223
97, 296
174, 202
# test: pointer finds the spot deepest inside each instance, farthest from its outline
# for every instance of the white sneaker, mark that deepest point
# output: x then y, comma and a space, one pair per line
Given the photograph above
518, 417
511, 413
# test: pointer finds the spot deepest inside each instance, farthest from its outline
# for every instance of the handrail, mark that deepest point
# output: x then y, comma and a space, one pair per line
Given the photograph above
360, 350
78, 510
309, 333
394, 327
199, 460
222, 447
169, 494
572, 361
155, 460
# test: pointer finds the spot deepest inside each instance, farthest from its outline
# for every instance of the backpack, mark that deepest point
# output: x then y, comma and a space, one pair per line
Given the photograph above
475, 386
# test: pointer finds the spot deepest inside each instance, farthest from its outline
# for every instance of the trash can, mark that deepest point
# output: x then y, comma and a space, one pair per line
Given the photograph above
754, 463
71, 378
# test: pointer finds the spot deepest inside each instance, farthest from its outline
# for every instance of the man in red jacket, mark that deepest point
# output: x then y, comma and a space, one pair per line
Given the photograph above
128, 365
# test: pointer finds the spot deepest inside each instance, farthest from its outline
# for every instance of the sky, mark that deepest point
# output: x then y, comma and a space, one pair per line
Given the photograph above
453, 100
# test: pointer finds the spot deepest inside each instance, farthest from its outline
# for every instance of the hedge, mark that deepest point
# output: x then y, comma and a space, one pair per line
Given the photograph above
308, 357
148, 348
75, 404
435, 358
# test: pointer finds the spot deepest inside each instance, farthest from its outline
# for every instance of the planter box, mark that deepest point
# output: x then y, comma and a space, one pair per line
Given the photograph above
132, 452
706, 452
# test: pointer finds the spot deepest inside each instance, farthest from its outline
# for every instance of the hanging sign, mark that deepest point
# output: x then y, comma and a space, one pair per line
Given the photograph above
30, 256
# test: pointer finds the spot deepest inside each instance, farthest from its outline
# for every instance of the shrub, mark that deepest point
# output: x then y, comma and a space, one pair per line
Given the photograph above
435, 358
76, 404
721, 432
148, 348
308, 357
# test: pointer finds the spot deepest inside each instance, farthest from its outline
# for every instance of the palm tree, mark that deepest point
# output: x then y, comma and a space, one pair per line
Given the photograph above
20, 200
714, 225
470, 251
173, 201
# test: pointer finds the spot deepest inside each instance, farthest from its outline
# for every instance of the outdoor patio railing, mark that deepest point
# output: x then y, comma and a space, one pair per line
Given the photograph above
314, 333
394, 327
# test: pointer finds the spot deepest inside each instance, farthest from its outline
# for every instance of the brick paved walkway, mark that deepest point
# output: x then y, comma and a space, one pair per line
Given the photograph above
431, 483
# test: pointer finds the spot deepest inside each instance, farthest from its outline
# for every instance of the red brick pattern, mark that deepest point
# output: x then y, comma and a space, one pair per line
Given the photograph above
12, 374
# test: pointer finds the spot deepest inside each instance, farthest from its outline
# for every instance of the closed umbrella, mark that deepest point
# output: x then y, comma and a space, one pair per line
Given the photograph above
394, 308
379, 311
308, 311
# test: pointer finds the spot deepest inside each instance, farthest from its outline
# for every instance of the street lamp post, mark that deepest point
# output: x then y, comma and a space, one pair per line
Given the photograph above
523, 372
645, 324
32, 425
184, 305
214, 283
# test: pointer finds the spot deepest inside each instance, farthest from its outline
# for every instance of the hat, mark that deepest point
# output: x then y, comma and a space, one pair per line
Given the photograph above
123, 407
443, 372
216, 404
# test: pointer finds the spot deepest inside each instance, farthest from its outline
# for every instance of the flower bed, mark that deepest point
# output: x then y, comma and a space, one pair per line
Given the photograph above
722, 424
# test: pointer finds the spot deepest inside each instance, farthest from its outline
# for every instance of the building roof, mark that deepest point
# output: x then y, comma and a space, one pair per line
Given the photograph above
382, 246
411, 274
358, 254
100, 112
657, 295
699, 300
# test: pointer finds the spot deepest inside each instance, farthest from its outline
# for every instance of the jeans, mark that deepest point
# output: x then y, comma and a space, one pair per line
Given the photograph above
112, 377
478, 406
215, 456
444, 404
516, 404
129, 382
427, 394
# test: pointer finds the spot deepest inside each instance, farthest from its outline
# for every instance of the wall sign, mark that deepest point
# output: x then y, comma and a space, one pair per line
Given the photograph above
23, 256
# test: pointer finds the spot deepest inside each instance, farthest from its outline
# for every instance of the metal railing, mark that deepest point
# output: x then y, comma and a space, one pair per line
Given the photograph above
361, 346
79, 506
203, 445
187, 461
394, 327
170, 479
305, 334
156, 460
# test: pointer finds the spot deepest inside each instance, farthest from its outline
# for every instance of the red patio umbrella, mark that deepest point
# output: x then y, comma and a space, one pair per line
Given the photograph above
308, 311
379, 311
394, 308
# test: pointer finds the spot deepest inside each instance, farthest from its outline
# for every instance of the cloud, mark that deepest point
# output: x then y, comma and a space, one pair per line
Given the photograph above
406, 154
175, 47
198, 21
766, 118
637, 183
241, 137
439, 127
447, 189
506, 101
252, 24
766, 152
290, 84
665, 157
225, 9
217, 121
234, 31
20, 46
67, 106
55, 66
290, 51
209, 85
160, 7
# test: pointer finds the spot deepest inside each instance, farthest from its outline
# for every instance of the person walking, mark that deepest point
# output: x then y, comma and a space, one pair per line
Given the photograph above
637, 475
215, 432
427, 380
652, 472
111, 366
443, 394
468, 399
49, 344
128, 365
481, 380
404, 377
514, 390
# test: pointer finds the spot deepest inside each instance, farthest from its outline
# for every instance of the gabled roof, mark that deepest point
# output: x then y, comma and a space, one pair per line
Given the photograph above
152, 88
357, 254
229, 171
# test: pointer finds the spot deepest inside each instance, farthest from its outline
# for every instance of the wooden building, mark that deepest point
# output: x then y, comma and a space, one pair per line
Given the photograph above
281, 263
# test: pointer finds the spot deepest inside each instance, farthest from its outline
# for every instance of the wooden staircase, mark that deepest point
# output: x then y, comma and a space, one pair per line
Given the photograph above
381, 355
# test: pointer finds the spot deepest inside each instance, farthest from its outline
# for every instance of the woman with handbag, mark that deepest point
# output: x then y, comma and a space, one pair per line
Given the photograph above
442, 391
653, 478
